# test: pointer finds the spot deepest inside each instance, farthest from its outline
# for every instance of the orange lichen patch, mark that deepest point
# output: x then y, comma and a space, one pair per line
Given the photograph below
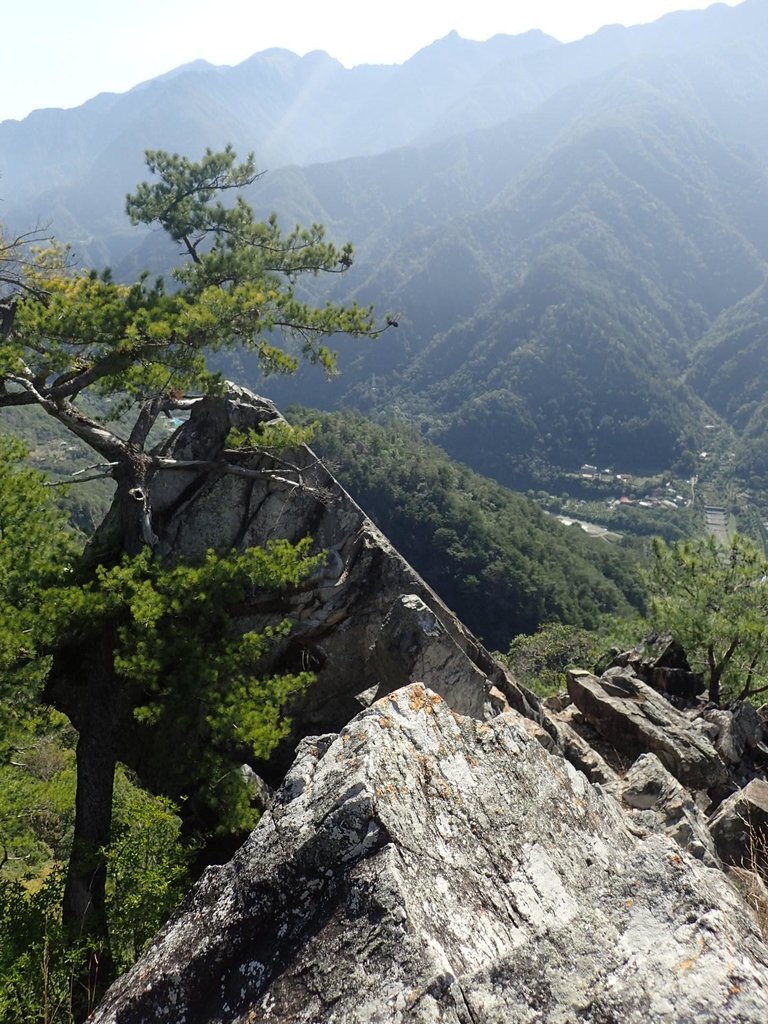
441, 787
418, 700
630, 903
734, 989
676, 859
388, 792
686, 965
385, 722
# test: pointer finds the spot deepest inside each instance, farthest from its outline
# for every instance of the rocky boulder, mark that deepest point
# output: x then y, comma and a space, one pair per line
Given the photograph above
425, 866
662, 663
738, 732
740, 827
660, 803
634, 719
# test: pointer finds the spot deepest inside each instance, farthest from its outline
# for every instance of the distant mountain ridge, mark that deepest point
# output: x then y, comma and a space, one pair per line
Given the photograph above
558, 226
288, 109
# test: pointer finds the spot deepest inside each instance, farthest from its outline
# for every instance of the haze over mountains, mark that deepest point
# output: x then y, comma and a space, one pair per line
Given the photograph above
574, 237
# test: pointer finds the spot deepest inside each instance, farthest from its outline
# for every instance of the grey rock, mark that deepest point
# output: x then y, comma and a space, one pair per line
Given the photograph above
635, 719
662, 663
740, 827
260, 793
426, 867
738, 730
557, 701
414, 646
349, 617
584, 757
755, 893
648, 786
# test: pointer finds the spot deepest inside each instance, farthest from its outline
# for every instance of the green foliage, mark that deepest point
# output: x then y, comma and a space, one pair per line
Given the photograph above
539, 660
37, 795
274, 438
68, 337
192, 675
38, 961
241, 271
147, 863
36, 553
714, 601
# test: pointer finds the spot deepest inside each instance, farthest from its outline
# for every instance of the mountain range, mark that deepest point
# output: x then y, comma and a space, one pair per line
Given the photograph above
573, 238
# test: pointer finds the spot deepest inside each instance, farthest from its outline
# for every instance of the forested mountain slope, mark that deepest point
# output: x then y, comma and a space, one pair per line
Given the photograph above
557, 229
551, 318
504, 566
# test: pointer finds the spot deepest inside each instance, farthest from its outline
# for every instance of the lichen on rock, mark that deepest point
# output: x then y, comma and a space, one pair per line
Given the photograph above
426, 866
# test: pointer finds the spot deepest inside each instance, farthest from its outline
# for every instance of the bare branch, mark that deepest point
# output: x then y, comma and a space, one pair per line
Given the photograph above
146, 419
104, 468
225, 467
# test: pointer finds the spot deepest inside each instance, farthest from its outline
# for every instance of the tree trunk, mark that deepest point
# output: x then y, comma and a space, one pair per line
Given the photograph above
715, 671
84, 907
84, 687
714, 686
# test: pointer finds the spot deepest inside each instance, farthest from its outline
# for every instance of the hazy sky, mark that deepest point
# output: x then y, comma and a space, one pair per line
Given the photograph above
58, 53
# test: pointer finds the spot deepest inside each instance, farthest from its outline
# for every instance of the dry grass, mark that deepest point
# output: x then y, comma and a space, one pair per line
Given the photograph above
752, 879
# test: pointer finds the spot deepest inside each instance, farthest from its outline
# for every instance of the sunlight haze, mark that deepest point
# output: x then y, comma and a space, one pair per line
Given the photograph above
60, 55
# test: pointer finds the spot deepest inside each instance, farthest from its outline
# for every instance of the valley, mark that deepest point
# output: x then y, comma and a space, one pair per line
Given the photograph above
578, 271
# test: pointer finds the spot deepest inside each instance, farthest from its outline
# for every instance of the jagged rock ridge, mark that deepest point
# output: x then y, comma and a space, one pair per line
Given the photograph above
426, 866
363, 625
436, 857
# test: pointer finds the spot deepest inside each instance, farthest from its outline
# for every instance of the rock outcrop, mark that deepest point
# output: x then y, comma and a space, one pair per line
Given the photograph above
426, 866
663, 664
661, 804
635, 720
346, 620
442, 847
740, 828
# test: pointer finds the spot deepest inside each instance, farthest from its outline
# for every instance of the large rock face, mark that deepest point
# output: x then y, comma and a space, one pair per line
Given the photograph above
425, 866
346, 619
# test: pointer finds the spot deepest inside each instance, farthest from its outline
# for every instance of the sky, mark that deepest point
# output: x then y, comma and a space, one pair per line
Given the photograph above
59, 54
